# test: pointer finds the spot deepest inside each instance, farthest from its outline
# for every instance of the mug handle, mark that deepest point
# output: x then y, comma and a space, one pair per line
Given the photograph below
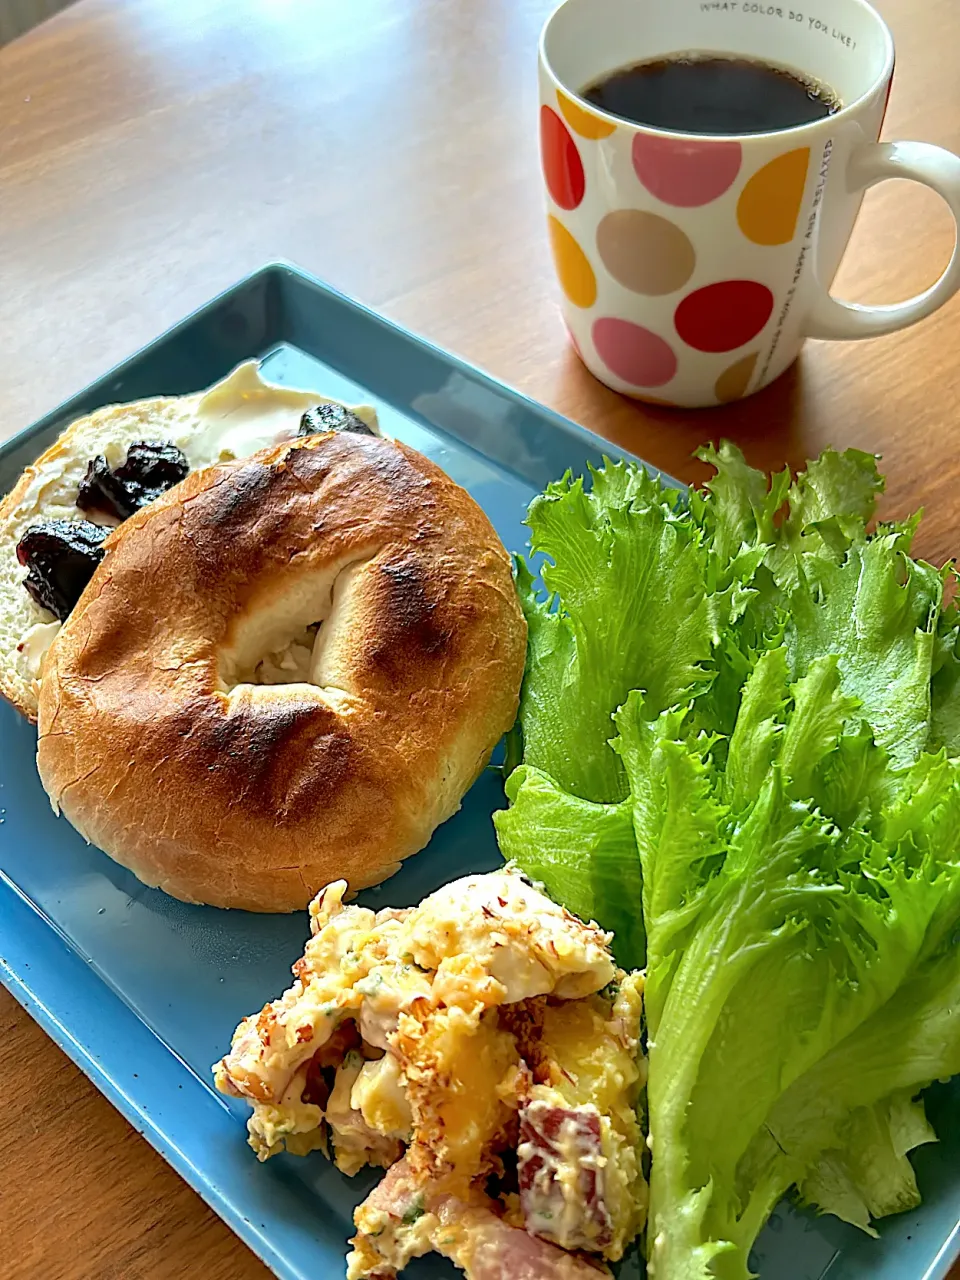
871, 163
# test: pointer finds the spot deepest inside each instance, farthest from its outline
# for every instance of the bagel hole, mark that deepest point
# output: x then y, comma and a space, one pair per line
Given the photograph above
281, 638
289, 664
280, 659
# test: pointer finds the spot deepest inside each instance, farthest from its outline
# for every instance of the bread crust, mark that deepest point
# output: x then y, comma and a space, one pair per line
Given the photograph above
151, 418
255, 796
12, 686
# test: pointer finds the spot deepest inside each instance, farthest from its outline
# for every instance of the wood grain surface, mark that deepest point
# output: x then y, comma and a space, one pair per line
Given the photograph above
151, 153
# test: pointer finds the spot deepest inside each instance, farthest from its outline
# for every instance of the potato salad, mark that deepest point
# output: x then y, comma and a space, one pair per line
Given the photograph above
483, 1049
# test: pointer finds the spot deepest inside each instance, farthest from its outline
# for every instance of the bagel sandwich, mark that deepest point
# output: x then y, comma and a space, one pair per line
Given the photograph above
286, 670
100, 461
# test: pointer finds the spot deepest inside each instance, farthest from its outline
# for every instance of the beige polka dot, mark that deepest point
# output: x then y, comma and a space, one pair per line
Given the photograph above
644, 252
735, 379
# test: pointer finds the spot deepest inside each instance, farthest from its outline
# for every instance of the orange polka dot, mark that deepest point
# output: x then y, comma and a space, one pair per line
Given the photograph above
583, 121
770, 202
573, 270
735, 379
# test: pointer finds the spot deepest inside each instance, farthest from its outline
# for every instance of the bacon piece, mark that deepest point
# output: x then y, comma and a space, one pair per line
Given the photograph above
487, 1248
333, 1051
316, 1089
470, 1233
382, 1245
396, 1191
560, 1172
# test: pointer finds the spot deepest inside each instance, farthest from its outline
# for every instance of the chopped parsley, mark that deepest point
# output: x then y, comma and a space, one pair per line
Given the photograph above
414, 1213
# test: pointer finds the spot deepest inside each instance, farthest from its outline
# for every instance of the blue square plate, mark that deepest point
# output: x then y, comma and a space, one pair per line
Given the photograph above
143, 992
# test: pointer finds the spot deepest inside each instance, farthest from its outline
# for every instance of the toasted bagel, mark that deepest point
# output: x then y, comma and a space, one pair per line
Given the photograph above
163, 737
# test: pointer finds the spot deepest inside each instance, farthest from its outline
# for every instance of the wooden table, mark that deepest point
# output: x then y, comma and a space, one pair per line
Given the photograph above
151, 153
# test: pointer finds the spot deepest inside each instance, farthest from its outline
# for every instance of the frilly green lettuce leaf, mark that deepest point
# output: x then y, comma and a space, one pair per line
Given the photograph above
679, 823
626, 609
755, 740
800, 936
869, 1175
830, 505
737, 509
945, 684
854, 782
741, 713
876, 611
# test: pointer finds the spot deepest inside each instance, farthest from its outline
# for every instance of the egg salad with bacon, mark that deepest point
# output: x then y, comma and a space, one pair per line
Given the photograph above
483, 1048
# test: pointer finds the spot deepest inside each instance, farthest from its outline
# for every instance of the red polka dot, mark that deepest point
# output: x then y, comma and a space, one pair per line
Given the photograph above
633, 353
723, 316
562, 166
683, 172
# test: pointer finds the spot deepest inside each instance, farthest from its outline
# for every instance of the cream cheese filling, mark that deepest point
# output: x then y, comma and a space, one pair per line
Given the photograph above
245, 413
34, 643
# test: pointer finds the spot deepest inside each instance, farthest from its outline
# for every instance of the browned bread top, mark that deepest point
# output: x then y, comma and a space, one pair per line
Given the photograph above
199, 727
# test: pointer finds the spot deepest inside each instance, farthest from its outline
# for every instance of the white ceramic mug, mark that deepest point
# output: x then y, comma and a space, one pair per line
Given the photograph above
692, 267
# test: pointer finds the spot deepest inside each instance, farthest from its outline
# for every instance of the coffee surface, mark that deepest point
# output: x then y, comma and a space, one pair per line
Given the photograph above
709, 94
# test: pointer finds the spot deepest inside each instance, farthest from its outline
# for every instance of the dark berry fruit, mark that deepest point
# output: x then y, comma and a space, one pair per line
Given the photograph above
151, 467
61, 556
156, 466
101, 491
332, 417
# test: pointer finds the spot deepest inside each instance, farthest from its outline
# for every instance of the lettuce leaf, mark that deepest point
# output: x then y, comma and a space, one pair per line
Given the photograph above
876, 611
625, 609
945, 684
869, 1176
735, 748
761, 964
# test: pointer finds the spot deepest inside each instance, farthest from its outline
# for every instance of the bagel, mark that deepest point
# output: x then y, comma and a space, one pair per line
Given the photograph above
197, 726
238, 416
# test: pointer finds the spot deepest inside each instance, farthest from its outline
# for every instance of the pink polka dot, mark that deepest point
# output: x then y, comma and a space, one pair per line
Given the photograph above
562, 166
723, 316
633, 353
683, 172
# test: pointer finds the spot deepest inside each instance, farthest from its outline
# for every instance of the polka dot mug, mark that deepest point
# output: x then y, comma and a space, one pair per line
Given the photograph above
692, 267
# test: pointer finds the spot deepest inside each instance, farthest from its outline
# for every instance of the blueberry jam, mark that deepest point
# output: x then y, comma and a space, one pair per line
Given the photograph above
61, 556
332, 417
151, 468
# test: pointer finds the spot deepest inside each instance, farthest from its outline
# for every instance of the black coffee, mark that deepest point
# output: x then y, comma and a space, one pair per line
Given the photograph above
708, 93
